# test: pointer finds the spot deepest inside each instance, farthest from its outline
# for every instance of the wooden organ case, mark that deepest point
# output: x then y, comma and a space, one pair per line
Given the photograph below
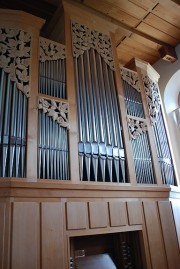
85, 163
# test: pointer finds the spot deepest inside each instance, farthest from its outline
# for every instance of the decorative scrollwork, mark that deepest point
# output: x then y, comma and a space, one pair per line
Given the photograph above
85, 38
51, 50
131, 78
153, 98
58, 110
15, 49
136, 128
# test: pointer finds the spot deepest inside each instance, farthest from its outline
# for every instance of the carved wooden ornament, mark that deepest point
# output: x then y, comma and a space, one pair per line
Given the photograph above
85, 38
15, 53
136, 128
58, 110
152, 97
131, 78
51, 50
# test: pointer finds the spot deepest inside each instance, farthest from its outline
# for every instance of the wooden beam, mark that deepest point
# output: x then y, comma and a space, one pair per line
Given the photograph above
115, 21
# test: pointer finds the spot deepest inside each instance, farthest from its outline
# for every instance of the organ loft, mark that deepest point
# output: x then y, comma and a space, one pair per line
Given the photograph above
88, 178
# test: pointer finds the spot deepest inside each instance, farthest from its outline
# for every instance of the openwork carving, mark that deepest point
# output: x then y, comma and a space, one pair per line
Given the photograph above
136, 128
85, 38
131, 78
153, 98
50, 50
58, 110
15, 48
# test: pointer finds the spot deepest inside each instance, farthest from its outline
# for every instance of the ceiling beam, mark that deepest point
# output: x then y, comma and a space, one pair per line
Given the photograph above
116, 22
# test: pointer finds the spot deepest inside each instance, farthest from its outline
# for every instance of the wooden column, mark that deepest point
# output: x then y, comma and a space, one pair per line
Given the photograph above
32, 128
121, 102
145, 68
71, 95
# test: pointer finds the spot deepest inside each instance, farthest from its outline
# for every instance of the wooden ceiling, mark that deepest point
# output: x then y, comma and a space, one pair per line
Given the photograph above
142, 26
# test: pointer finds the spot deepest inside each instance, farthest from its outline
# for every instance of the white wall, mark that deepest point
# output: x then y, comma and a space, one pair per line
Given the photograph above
169, 84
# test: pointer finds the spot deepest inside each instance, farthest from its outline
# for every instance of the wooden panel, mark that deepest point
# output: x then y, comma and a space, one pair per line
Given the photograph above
100, 5
123, 17
118, 213
2, 233
157, 251
169, 234
146, 4
98, 214
76, 215
125, 52
157, 34
148, 43
135, 44
172, 16
139, 49
52, 236
134, 209
176, 212
129, 8
25, 234
163, 26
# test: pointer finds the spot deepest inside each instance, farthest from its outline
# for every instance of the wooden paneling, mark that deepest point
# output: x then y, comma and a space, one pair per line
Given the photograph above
128, 54
123, 17
157, 251
170, 15
134, 209
169, 234
146, 4
25, 236
129, 7
157, 33
147, 43
138, 49
76, 215
118, 213
98, 214
140, 44
52, 236
163, 26
2, 233
100, 5
176, 212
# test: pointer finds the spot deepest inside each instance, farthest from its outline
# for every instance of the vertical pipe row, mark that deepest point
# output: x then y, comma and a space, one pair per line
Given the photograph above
53, 154
133, 101
101, 153
142, 160
163, 151
13, 115
140, 146
52, 80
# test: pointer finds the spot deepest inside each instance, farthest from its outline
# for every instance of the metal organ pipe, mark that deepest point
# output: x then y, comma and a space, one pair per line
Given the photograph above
53, 139
163, 151
100, 141
140, 143
13, 111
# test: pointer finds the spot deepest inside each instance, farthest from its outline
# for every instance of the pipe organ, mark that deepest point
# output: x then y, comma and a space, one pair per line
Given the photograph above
84, 151
101, 150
